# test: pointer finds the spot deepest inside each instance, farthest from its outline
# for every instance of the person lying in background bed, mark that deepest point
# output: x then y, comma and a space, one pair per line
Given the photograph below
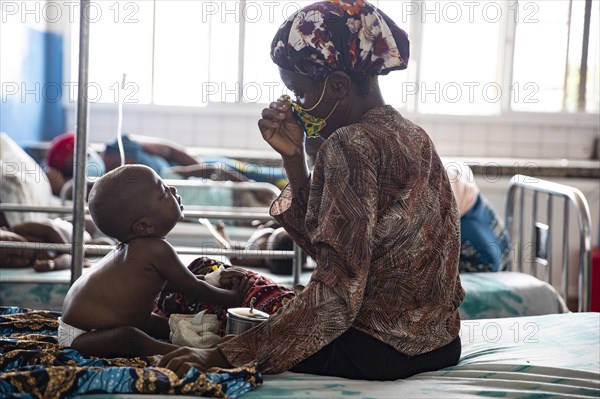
167, 158
60, 161
108, 310
22, 181
377, 214
48, 231
484, 241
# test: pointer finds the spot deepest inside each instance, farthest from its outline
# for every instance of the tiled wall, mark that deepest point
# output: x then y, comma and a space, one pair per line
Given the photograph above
549, 136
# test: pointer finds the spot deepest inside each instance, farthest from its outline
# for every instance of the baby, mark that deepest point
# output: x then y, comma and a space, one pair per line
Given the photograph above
108, 311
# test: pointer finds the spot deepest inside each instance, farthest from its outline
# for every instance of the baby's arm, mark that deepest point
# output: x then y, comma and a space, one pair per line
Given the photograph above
170, 267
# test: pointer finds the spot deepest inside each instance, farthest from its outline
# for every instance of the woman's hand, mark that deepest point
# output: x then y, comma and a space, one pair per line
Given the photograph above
280, 129
184, 358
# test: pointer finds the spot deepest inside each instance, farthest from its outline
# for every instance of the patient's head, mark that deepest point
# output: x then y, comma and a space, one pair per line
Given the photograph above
60, 154
132, 201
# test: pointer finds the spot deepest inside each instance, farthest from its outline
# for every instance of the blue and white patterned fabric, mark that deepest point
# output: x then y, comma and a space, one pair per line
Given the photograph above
484, 242
34, 366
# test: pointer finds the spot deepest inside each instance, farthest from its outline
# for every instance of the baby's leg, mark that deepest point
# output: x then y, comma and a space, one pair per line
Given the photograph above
124, 341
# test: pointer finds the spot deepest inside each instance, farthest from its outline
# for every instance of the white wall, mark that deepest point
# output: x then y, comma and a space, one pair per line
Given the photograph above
540, 136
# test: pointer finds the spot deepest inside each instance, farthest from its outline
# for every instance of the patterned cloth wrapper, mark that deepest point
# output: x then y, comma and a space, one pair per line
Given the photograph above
33, 365
270, 296
340, 35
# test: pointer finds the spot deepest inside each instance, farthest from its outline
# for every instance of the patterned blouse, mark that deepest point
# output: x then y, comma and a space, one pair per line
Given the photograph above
380, 220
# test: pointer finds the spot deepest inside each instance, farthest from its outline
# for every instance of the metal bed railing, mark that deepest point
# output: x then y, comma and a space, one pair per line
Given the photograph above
543, 231
190, 211
194, 183
79, 188
195, 213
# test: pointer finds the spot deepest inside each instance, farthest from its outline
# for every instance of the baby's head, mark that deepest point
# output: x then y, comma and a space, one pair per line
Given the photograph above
132, 201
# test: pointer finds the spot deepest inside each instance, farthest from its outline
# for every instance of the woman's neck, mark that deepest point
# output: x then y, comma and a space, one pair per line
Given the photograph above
363, 104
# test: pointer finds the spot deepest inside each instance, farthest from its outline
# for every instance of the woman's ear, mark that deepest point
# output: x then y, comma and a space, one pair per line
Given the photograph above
338, 86
142, 227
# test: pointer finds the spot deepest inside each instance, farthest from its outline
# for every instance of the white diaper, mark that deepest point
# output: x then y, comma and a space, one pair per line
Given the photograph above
67, 333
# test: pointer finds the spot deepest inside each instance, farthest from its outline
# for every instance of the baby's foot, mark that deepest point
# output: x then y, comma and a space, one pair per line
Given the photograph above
44, 265
47, 265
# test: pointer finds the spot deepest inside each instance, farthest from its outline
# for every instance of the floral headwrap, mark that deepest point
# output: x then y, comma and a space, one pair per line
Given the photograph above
340, 35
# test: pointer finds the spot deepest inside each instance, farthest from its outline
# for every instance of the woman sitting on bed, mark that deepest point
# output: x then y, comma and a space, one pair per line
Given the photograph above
377, 214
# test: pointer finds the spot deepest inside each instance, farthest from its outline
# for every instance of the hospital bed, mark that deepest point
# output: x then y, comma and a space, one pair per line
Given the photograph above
531, 356
518, 292
545, 255
26, 288
553, 354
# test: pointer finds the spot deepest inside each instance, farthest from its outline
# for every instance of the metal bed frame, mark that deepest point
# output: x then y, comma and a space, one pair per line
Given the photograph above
195, 183
78, 210
191, 212
542, 231
541, 235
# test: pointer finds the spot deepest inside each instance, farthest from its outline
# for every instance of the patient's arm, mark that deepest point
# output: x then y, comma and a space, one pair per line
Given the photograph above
167, 149
209, 171
124, 341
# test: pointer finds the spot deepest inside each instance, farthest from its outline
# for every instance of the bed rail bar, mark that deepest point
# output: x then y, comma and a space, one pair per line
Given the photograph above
542, 232
194, 213
194, 183
190, 212
101, 250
